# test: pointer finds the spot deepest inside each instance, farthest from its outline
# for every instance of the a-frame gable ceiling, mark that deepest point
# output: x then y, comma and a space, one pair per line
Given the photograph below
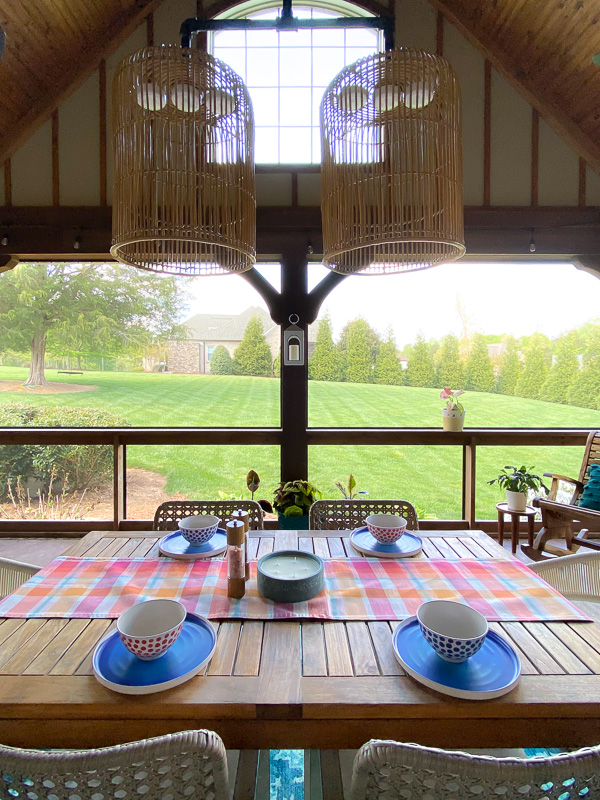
543, 47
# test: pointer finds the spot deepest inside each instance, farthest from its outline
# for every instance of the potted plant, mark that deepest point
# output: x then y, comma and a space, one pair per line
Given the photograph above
453, 416
292, 503
517, 483
348, 490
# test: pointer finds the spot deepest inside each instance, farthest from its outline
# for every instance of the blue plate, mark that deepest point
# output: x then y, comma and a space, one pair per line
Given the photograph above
175, 546
118, 669
493, 671
407, 545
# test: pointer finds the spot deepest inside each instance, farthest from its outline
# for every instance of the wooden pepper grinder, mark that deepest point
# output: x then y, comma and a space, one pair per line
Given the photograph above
244, 516
236, 546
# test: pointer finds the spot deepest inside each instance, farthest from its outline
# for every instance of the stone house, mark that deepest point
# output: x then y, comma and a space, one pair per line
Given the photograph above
207, 331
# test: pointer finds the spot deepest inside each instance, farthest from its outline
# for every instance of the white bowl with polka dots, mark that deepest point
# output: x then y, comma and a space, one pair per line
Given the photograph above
454, 630
386, 528
148, 629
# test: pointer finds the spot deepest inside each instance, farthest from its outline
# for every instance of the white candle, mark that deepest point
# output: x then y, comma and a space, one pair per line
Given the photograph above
294, 352
287, 567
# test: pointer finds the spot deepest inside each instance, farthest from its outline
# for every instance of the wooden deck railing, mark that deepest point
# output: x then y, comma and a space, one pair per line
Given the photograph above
121, 438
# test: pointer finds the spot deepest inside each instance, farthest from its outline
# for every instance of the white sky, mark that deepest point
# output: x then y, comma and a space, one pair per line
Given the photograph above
495, 298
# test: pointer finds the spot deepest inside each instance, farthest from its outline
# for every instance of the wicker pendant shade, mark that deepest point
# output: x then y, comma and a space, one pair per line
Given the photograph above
392, 197
184, 198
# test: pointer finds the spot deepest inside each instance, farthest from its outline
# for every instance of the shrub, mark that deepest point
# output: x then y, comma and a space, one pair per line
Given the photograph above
83, 464
221, 363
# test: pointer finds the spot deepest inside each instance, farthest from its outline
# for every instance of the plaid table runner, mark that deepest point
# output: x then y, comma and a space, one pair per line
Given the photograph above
355, 589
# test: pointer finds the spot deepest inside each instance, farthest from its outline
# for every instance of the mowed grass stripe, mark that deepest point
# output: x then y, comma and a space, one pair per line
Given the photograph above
428, 476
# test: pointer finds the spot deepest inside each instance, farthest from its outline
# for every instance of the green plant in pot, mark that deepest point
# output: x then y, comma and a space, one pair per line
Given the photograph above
517, 483
292, 503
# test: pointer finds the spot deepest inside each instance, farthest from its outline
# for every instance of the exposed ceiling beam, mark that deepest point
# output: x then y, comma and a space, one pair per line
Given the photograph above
470, 22
105, 43
501, 233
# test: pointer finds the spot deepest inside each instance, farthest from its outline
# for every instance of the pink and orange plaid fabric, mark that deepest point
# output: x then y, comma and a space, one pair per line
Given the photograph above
355, 589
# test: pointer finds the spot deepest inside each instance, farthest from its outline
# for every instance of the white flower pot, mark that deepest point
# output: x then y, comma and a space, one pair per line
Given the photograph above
452, 420
516, 501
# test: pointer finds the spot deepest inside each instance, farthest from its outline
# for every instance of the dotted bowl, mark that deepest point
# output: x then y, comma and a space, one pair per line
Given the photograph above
386, 528
454, 630
199, 529
148, 629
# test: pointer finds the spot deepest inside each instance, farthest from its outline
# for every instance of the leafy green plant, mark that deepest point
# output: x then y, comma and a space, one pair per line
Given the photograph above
294, 498
519, 480
348, 489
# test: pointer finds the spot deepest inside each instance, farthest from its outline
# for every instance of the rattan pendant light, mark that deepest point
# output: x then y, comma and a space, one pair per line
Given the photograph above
184, 198
392, 197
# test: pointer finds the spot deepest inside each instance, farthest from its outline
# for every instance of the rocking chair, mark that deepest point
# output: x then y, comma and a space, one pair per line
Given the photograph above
558, 518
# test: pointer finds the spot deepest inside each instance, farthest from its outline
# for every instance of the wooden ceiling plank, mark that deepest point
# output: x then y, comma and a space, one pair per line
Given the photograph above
508, 66
104, 44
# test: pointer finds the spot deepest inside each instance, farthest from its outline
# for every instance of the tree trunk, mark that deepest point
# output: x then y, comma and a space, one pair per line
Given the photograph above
78, 360
38, 355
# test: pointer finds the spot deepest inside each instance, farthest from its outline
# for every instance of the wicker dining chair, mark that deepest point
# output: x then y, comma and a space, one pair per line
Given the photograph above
168, 514
176, 766
394, 771
13, 574
346, 515
576, 577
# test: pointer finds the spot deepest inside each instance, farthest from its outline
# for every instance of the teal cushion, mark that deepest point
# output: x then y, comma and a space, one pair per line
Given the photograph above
591, 492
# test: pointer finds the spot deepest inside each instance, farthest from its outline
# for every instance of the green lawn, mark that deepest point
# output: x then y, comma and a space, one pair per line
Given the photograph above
429, 477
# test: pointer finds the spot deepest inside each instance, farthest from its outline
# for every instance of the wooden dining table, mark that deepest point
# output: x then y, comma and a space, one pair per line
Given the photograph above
296, 683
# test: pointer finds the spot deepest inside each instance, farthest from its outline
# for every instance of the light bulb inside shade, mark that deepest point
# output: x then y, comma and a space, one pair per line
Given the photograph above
386, 97
186, 97
151, 97
419, 94
219, 103
532, 246
352, 98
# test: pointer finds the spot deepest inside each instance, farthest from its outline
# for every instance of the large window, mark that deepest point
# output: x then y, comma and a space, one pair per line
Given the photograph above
286, 75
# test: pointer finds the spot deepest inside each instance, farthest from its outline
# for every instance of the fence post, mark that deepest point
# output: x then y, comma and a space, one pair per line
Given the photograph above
119, 483
468, 481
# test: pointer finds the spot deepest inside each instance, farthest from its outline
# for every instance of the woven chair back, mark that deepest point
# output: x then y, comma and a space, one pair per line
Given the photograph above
168, 514
176, 766
13, 574
346, 515
385, 769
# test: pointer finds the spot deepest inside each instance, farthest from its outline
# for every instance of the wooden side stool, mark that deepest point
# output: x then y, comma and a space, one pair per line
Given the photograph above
515, 519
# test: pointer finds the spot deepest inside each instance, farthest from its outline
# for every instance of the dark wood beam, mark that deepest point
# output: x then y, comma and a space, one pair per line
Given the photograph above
490, 232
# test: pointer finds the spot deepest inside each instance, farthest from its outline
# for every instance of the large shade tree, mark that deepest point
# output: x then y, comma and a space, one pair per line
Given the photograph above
106, 308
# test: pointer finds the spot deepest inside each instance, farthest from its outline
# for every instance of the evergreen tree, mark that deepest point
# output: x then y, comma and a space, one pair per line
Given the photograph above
564, 370
359, 353
253, 355
450, 369
535, 370
479, 375
372, 341
277, 366
325, 363
585, 389
421, 371
388, 369
510, 367
220, 362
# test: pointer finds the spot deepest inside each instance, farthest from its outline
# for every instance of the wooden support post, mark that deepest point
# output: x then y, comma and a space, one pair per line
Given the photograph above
119, 483
294, 379
468, 483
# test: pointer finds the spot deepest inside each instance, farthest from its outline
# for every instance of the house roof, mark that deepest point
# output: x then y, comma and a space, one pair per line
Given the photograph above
543, 47
231, 327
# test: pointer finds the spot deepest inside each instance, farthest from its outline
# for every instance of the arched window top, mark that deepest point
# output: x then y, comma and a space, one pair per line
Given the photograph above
287, 73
